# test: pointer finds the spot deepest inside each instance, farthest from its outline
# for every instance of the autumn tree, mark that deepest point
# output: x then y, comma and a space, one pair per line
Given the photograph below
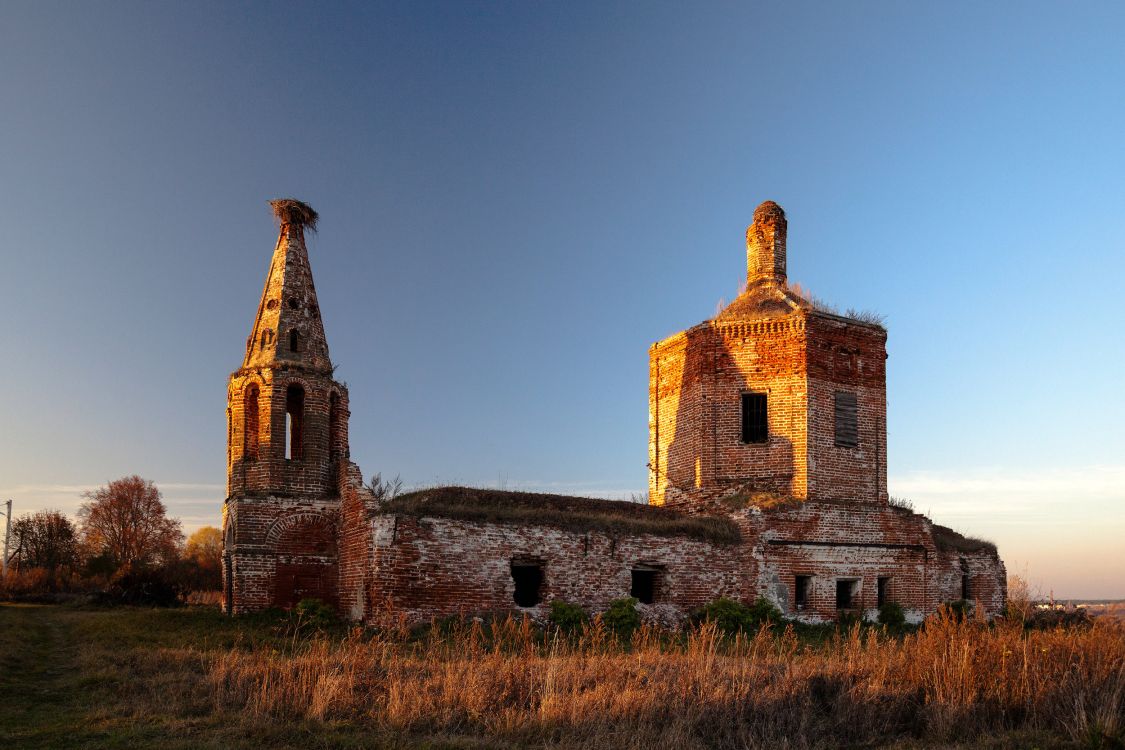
126, 523
203, 558
47, 540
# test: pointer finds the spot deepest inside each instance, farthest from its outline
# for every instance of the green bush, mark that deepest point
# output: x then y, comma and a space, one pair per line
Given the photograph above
891, 615
315, 613
622, 617
568, 618
763, 611
731, 617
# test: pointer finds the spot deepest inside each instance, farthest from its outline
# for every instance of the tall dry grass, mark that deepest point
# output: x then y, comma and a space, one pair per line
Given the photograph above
949, 682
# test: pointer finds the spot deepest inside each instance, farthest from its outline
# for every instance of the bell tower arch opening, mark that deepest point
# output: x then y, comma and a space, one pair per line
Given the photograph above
294, 422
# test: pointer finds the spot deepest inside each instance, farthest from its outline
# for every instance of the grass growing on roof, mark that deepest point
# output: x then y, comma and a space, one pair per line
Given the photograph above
948, 539
562, 511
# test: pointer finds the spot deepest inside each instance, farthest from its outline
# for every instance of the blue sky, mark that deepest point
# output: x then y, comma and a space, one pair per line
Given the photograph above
517, 199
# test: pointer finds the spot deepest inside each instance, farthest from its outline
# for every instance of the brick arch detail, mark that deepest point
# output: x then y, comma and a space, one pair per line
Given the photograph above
283, 384
278, 528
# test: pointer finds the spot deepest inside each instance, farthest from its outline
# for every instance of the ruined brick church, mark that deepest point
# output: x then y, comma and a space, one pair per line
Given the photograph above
767, 478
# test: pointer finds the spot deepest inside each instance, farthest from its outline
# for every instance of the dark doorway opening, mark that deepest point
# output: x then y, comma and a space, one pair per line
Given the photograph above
644, 585
966, 592
528, 578
801, 591
845, 594
883, 590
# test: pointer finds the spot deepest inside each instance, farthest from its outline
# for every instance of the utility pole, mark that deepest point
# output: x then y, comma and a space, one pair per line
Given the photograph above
7, 537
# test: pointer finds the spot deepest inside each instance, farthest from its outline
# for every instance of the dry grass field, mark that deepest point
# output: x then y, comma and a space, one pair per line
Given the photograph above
83, 677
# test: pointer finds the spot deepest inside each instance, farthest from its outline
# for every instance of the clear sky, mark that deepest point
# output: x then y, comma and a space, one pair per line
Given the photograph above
517, 199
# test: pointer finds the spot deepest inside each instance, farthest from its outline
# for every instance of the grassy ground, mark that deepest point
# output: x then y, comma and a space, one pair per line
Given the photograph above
125, 678
74, 677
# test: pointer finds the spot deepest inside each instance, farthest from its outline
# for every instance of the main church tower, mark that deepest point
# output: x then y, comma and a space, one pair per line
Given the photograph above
287, 441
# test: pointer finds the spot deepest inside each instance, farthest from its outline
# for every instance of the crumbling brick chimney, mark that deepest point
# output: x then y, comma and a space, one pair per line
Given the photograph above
765, 247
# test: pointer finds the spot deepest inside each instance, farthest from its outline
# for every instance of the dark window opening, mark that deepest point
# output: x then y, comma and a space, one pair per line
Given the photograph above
966, 594
294, 421
250, 427
294, 340
755, 427
882, 591
333, 424
845, 594
645, 585
293, 303
801, 591
847, 420
528, 578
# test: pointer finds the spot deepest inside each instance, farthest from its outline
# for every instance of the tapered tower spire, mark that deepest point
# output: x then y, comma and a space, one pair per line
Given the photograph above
288, 329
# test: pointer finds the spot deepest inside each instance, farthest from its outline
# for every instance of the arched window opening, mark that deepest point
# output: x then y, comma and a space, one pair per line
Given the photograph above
333, 425
294, 340
250, 423
294, 421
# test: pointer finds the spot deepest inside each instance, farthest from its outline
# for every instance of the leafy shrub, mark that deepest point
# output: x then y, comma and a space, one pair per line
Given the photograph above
727, 615
731, 617
622, 617
763, 611
1049, 619
143, 586
567, 617
891, 615
846, 620
315, 613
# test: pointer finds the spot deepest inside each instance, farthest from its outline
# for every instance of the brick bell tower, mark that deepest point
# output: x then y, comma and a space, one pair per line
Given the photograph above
773, 398
287, 433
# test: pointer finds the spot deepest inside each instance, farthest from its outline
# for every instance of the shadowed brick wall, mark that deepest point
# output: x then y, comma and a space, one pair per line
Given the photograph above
432, 567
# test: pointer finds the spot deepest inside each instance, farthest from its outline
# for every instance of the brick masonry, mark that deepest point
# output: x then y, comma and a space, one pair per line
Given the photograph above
298, 521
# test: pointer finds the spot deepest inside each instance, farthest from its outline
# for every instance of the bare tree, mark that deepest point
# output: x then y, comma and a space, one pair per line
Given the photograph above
126, 521
47, 540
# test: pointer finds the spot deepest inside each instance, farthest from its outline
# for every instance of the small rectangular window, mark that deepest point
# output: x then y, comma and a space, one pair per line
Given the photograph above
755, 424
847, 420
801, 591
845, 594
645, 582
883, 591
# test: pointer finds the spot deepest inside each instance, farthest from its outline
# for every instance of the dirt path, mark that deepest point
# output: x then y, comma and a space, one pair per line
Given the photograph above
38, 677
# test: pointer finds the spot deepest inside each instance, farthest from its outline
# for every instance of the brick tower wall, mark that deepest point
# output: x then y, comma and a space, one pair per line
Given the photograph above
282, 513
356, 552
279, 550
324, 437
696, 380
851, 357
